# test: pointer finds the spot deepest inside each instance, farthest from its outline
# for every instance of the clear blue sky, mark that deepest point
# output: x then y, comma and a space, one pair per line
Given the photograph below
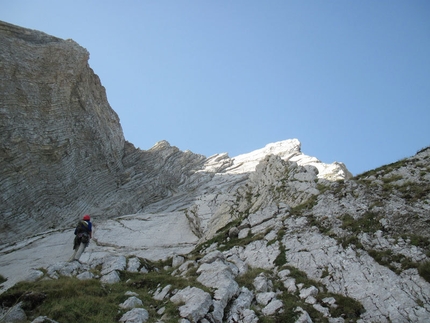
349, 79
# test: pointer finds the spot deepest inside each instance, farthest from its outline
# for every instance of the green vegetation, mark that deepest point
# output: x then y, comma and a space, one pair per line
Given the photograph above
413, 191
72, 300
281, 259
68, 299
424, 270
385, 258
418, 241
346, 306
398, 262
247, 279
301, 277
381, 171
350, 240
307, 205
225, 242
369, 223
2, 279
423, 150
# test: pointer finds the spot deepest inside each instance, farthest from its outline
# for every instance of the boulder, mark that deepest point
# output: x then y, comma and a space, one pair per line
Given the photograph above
160, 294
111, 278
196, 303
14, 314
131, 302
136, 315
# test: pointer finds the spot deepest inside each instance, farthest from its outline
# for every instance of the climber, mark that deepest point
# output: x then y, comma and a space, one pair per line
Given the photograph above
83, 234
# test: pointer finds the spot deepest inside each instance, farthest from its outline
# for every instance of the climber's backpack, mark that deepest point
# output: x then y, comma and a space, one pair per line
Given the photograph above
82, 232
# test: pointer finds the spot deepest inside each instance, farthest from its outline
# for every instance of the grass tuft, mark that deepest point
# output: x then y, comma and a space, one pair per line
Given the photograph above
424, 270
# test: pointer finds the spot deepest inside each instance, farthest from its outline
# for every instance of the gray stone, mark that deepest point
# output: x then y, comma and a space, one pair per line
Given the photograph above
283, 274
133, 265
14, 314
264, 298
274, 306
34, 275
177, 261
85, 275
136, 315
70, 156
310, 291
131, 302
130, 293
331, 301
240, 309
303, 316
160, 294
262, 284
310, 300
290, 285
244, 233
111, 278
324, 310
43, 319
212, 256
233, 232
240, 266
258, 254
114, 263
219, 275
197, 303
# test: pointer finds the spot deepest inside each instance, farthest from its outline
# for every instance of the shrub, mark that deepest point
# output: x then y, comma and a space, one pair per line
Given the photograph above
369, 223
247, 279
281, 259
306, 205
424, 270
348, 307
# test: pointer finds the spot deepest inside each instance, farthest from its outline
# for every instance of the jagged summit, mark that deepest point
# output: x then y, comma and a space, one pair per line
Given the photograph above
288, 150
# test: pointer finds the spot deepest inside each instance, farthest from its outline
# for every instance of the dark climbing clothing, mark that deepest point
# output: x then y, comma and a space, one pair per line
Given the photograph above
83, 233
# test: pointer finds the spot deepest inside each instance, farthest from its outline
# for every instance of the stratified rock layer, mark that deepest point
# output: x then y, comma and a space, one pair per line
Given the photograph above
317, 243
59, 136
62, 149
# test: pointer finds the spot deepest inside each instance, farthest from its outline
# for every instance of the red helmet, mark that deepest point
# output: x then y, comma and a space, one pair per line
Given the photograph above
86, 217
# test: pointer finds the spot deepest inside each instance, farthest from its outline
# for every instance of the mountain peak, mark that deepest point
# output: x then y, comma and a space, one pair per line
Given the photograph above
268, 235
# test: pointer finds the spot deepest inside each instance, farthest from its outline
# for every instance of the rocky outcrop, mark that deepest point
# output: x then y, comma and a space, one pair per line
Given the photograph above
63, 153
272, 235
62, 149
59, 136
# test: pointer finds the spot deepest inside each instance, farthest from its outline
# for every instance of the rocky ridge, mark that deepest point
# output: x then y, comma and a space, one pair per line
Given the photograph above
322, 259
62, 149
271, 236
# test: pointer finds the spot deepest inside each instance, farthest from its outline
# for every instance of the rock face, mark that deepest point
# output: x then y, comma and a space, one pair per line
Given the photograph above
59, 136
63, 152
62, 149
271, 234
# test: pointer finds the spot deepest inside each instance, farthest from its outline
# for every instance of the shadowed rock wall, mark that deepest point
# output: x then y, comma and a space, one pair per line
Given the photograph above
62, 149
59, 136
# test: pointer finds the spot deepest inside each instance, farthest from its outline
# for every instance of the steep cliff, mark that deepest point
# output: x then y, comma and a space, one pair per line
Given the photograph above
60, 139
62, 149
